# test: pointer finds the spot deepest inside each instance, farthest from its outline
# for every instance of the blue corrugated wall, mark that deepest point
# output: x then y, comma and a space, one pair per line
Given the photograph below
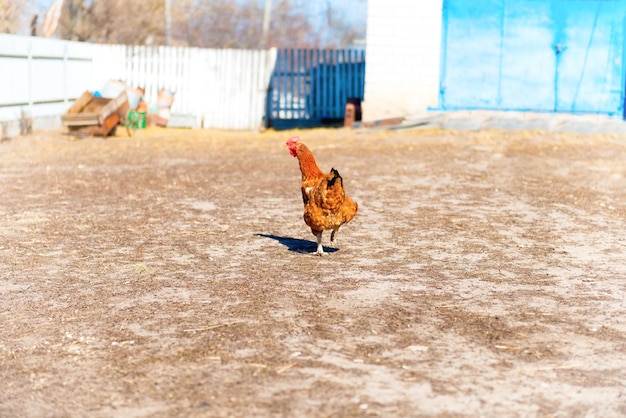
534, 55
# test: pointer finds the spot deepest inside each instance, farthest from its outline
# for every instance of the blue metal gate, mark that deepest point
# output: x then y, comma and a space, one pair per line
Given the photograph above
310, 87
538, 55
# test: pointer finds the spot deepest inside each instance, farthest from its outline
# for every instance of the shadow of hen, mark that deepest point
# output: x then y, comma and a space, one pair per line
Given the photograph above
297, 245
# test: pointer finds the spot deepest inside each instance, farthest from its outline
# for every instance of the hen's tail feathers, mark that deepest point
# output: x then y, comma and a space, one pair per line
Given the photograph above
335, 175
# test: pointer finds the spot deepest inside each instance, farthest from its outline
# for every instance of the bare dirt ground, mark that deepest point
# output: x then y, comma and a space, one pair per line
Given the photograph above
171, 274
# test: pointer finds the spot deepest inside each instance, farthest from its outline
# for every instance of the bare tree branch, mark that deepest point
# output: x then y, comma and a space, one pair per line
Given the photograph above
200, 23
10, 13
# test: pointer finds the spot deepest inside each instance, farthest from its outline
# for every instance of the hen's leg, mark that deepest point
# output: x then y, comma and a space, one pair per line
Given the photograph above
320, 248
333, 234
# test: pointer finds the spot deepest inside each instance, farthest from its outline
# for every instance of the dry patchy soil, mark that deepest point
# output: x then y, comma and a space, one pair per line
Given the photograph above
171, 274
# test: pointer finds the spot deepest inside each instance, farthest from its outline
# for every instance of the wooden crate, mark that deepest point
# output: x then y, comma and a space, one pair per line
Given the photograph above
91, 115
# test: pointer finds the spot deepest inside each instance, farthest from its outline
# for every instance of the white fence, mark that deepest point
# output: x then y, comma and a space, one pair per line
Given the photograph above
41, 77
223, 89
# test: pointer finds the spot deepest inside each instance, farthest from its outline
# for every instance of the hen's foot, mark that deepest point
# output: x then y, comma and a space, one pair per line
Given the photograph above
320, 248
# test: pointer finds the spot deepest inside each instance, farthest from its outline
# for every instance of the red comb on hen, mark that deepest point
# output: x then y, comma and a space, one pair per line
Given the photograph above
292, 145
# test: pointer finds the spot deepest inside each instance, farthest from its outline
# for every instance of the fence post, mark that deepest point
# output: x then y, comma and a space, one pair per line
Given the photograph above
29, 61
65, 94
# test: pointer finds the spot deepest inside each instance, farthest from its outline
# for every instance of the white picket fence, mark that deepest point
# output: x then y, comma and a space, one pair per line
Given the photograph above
223, 89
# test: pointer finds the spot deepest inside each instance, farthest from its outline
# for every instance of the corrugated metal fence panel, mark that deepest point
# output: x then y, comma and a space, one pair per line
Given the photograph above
311, 86
41, 76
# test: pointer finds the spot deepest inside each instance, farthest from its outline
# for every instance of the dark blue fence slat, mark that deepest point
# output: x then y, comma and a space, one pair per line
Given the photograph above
292, 83
350, 76
317, 82
324, 86
360, 88
338, 85
299, 82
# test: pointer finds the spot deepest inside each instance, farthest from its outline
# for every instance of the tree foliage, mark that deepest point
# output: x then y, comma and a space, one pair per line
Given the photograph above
224, 24
130, 22
202, 23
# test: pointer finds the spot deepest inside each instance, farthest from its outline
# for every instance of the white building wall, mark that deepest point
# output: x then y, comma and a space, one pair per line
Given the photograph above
403, 57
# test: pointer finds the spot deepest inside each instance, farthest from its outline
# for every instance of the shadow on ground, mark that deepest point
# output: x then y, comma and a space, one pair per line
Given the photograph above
298, 245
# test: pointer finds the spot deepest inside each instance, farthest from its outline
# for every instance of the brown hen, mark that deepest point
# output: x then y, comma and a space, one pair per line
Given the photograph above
326, 206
